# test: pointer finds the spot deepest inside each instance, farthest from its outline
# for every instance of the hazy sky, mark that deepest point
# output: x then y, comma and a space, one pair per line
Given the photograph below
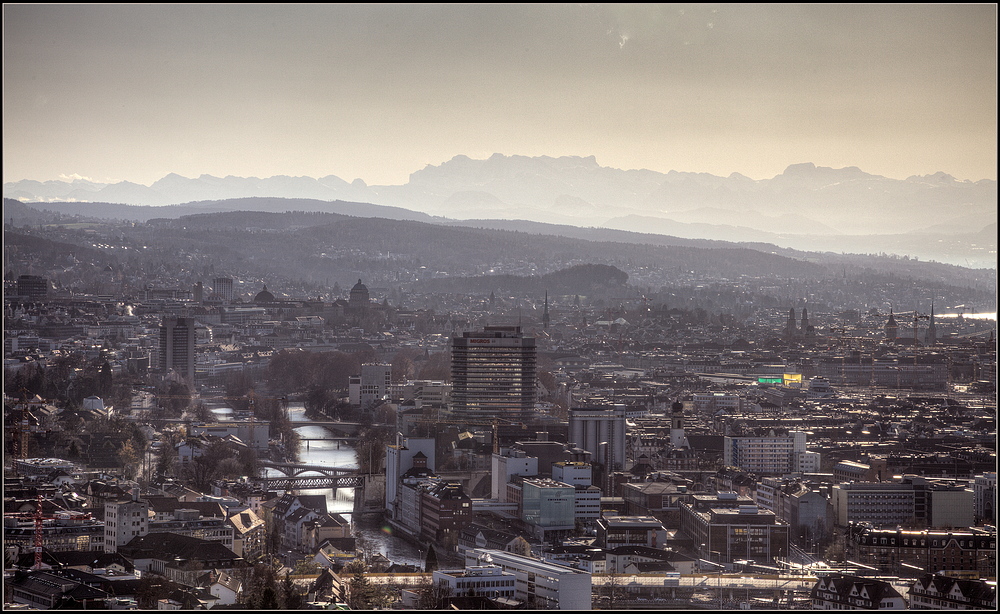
133, 92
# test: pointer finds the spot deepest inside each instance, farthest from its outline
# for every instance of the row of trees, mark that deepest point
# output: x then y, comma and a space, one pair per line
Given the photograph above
69, 379
298, 370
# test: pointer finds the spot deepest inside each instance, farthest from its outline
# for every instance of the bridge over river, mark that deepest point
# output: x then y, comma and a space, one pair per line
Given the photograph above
369, 488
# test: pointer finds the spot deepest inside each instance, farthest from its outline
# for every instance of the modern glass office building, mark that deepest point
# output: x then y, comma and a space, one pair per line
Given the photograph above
493, 374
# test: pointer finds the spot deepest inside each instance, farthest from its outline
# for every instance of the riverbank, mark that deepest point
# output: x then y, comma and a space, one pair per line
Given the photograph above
370, 528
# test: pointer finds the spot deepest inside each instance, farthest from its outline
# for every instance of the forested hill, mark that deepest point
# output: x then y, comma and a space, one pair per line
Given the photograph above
311, 252
585, 279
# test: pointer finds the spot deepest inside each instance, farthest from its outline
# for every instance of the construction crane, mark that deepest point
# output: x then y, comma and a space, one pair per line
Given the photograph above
38, 532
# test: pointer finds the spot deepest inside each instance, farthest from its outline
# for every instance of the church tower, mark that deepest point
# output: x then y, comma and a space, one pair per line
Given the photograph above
545, 314
790, 328
677, 439
891, 328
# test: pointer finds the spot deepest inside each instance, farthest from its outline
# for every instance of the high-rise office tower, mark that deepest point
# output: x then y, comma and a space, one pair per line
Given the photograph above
32, 286
223, 286
177, 346
493, 374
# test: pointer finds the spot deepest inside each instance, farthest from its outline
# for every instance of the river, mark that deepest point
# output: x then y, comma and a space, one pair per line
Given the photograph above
341, 501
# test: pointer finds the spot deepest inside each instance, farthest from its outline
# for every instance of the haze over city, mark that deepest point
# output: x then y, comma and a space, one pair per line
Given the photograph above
134, 92
497, 306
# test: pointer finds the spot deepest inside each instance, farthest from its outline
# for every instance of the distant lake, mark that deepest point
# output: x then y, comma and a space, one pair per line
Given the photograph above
968, 316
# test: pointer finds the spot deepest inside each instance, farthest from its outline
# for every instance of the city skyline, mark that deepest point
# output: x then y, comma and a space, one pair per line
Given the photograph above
376, 92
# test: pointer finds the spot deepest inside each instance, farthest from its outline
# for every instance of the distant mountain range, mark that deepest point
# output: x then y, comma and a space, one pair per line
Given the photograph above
805, 207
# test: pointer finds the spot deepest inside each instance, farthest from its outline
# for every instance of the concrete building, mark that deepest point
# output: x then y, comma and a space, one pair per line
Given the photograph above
806, 510
484, 580
588, 497
506, 466
543, 586
771, 453
940, 505
123, 521
716, 401
616, 531
399, 460
372, 385
493, 374
32, 287
222, 287
850, 471
590, 427
727, 527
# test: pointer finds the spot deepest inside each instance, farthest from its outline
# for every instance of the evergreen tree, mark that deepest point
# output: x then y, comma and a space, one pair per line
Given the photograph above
360, 589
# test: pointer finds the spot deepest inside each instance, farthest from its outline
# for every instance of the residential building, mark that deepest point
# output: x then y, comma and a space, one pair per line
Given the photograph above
67, 531
906, 552
542, 585
253, 433
844, 592
249, 532
771, 454
179, 557
124, 520
941, 592
32, 287
493, 374
984, 490
445, 509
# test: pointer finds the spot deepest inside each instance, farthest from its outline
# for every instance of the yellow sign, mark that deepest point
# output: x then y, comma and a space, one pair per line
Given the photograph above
793, 379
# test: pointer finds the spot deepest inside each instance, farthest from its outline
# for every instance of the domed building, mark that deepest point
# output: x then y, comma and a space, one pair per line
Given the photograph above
264, 296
